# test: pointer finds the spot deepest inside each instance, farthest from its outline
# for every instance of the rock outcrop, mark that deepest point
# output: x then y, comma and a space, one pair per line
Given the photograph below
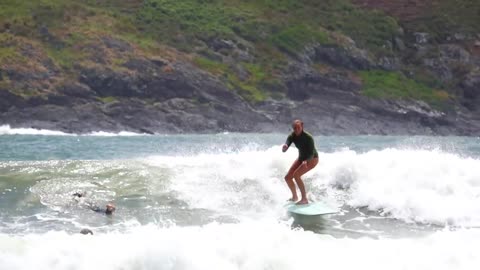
108, 82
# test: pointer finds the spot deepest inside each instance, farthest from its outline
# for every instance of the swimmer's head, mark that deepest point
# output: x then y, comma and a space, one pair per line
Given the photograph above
86, 231
79, 194
110, 208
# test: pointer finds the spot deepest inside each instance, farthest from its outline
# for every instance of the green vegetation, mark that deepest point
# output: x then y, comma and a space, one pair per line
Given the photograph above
24, 18
369, 28
276, 30
13, 9
293, 38
289, 24
246, 89
7, 53
65, 57
384, 84
211, 66
188, 17
8, 50
249, 89
108, 99
445, 18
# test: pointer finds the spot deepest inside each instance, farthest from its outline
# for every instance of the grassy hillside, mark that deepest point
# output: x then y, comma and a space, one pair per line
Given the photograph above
439, 18
69, 32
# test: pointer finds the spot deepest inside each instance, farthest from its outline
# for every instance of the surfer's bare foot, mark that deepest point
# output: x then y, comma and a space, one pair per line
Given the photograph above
293, 199
302, 201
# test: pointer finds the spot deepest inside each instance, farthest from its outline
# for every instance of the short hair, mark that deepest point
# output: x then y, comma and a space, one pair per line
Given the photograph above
297, 121
86, 231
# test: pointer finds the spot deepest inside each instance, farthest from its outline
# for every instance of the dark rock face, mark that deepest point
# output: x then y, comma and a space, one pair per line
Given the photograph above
471, 86
340, 57
153, 99
471, 91
117, 44
75, 89
449, 62
333, 105
161, 96
148, 99
9, 100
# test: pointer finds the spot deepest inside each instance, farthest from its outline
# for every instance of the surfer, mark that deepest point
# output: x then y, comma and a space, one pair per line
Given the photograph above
307, 160
108, 210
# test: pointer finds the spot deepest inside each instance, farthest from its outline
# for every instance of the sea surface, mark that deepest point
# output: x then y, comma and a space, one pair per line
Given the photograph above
218, 202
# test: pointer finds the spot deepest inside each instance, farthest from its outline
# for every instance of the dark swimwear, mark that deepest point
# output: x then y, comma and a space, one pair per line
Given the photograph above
305, 144
98, 209
86, 231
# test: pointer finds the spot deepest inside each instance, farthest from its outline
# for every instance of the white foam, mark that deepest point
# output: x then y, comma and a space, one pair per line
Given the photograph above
111, 134
247, 181
427, 186
414, 185
250, 245
7, 130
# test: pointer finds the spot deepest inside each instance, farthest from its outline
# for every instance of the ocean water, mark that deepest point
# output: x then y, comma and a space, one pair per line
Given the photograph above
217, 202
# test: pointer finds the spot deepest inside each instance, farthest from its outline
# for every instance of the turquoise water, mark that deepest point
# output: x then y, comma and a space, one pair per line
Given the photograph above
32, 147
202, 201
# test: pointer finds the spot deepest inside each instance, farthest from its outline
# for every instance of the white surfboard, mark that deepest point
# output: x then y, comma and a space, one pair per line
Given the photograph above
311, 209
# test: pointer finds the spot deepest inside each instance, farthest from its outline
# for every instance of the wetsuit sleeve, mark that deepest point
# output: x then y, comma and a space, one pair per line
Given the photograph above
94, 207
309, 150
289, 140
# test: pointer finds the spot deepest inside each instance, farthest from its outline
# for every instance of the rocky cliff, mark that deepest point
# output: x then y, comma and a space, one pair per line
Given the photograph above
162, 66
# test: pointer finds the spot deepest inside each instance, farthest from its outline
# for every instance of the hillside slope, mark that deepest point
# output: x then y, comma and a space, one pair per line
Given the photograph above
161, 66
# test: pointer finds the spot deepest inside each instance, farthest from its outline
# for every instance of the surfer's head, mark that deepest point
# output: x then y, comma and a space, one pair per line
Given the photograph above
86, 231
79, 194
110, 208
297, 126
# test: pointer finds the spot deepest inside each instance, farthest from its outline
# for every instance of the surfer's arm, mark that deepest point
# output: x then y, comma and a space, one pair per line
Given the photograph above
288, 142
93, 207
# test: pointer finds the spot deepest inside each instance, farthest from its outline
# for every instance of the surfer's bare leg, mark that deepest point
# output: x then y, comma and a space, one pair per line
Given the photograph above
301, 170
289, 180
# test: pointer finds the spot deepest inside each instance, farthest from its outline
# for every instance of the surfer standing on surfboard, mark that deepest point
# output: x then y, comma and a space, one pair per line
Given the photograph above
307, 160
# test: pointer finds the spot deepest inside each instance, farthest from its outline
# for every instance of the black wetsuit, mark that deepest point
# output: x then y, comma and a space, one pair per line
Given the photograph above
96, 208
305, 144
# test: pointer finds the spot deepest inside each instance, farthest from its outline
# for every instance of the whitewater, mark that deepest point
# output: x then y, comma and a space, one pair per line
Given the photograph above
217, 201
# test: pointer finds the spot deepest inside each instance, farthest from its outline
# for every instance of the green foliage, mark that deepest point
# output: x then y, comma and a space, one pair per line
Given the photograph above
249, 90
26, 17
369, 28
108, 99
211, 66
252, 87
274, 28
65, 57
13, 8
189, 18
145, 42
293, 38
7, 53
384, 84
446, 17
8, 50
